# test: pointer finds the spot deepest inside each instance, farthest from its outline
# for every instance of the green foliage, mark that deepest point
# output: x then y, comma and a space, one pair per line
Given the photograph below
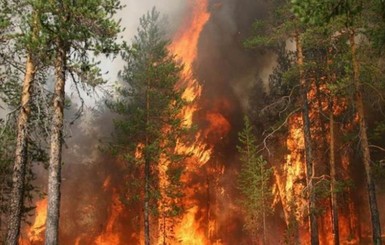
7, 146
37, 154
321, 11
379, 171
254, 180
150, 105
274, 31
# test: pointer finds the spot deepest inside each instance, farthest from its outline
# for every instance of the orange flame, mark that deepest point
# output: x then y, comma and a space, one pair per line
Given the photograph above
188, 233
185, 45
35, 234
110, 235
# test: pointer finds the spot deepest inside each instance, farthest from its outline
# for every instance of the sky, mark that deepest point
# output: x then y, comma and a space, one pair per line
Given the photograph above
129, 16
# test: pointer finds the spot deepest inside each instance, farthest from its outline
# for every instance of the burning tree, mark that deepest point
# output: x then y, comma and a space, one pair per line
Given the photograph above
361, 70
152, 125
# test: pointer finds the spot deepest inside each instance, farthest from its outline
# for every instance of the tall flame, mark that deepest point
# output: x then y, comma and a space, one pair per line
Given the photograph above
185, 46
110, 235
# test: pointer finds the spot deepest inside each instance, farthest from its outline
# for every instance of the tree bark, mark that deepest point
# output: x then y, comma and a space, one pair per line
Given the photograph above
334, 201
263, 204
21, 156
147, 175
308, 145
358, 100
54, 170
147, 203
332, 158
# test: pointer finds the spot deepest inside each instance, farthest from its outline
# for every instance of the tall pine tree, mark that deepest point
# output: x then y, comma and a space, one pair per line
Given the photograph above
151, 128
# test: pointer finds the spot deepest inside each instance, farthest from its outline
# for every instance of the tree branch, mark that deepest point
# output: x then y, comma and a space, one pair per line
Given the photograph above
264, 143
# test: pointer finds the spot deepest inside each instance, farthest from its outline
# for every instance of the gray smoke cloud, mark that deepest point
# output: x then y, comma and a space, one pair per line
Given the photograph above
172, 10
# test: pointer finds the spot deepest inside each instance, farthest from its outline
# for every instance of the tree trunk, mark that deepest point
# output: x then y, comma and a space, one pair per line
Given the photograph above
54, 170
332, 158
147, 176
308, 145
147, 203
263, 204
19, 168
334, 202
264, 226
374, 214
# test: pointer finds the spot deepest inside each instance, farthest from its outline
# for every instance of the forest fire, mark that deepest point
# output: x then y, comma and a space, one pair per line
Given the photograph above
112, 213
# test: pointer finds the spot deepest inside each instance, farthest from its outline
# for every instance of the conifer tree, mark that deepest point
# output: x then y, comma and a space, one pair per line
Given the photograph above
254, 183
20, 45
76, 30
152, 126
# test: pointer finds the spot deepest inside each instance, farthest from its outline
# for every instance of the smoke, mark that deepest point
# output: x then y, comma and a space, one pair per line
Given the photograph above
171, 10
223, 59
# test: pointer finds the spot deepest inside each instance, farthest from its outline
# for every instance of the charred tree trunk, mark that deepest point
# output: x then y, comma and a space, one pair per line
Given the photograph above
21, 156
374, 214
308, 145
334, 201
54, 170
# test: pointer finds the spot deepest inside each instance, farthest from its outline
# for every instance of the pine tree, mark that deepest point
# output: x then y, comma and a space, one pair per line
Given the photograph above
152, 126
26, 45
254, 183
76, 30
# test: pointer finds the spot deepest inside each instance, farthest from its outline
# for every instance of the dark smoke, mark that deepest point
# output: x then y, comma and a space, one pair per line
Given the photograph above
227, 71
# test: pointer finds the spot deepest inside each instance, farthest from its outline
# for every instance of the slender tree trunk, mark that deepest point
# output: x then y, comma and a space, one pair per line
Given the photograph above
19, 168
147, 203
54, 170
147, 172
332, 158
308, 146
334, 201
164, 230
374, 214
263, 204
